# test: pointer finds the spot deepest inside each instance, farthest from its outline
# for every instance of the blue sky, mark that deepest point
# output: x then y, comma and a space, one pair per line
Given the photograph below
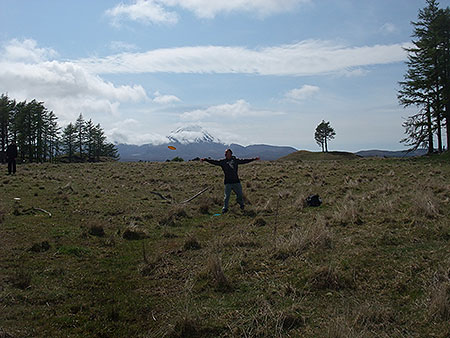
248, 71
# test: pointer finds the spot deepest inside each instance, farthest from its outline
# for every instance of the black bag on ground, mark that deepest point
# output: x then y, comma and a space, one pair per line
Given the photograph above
313, 201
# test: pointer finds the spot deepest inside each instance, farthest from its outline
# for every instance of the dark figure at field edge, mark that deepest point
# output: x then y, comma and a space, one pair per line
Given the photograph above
229, 166
11, 154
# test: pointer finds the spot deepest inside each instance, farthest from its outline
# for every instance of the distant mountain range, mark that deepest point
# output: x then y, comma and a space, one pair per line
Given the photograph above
388, 153
194, 142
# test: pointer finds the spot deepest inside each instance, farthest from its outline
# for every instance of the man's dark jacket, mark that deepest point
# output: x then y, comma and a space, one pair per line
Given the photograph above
11, 152
230, 167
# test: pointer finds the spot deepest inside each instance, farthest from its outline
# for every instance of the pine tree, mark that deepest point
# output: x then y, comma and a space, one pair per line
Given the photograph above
80, 128
99, 141
443, 47
324, 133
90, 142
425, 84
6, 108
69, 137
51, 136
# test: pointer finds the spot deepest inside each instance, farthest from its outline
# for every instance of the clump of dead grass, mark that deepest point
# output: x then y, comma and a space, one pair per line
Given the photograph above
5, 334
241, 240
439, 307
192, 326
373, 315
329, 278
426, 204
174, 216
21, 279
2, 215
362, 320
191, 243
204, 208
134, 232
97, 230
265, 206
267, 321
218, 278
315, 236
149, 266
185, 327
259, 221
348, 212
40, 247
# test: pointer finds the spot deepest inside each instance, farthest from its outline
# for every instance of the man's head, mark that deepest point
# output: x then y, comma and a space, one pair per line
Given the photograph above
228, 154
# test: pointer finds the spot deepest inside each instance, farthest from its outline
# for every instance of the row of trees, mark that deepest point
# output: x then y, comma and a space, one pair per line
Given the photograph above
426, 84
39, 138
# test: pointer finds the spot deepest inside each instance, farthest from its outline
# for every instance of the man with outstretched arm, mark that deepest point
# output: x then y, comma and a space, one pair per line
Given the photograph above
229, 166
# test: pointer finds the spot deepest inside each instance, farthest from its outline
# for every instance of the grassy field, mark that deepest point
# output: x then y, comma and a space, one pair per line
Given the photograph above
116, 260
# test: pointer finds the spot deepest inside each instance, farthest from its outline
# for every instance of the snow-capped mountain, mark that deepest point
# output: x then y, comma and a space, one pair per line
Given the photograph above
192, 134
192, 142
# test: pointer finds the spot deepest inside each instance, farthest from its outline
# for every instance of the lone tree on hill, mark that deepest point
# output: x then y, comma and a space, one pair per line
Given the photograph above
324, 133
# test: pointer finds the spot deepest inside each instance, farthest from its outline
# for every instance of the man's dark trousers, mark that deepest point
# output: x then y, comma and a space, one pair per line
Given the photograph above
12, 166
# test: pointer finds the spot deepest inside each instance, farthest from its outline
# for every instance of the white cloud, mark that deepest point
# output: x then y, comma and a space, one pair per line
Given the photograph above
125, 132
310, 57
240, 108
157, 11
65, 87
120, 135
388, 28
165, 99
210, 8
122, 46
145, 11
303, 93
26, 51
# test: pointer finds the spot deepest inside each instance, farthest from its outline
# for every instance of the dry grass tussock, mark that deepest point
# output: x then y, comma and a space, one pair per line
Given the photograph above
2, 214
150, 266
314, 236
174, 216
134, 232
267, 321
348, 212
439, 307
241, 239
330, 278
5, 334
426, 204
216, 274
363, 320
96, 230
191, 243
265, 206
21, 279
300, 202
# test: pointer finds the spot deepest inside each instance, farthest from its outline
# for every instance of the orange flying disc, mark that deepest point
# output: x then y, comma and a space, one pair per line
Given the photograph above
172, 147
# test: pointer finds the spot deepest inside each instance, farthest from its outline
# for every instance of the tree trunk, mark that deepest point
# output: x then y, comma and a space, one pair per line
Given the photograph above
430, 130
447, 123
439, 121
439, 132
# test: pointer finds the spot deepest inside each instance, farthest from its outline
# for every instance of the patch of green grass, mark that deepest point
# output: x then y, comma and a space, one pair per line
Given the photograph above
73, 251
